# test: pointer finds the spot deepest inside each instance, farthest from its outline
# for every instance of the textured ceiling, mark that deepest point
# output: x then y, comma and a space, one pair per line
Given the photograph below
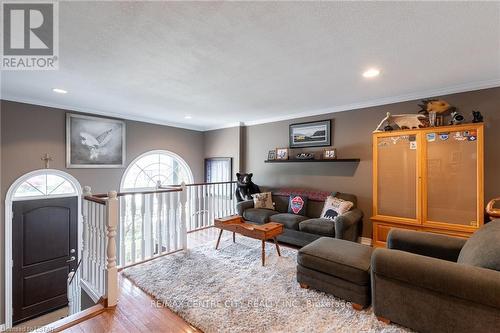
252, 62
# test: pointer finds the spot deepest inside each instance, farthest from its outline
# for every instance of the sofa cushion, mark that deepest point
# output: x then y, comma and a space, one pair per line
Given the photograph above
258, 215
482, 249
290, 221
344, 259
319, 226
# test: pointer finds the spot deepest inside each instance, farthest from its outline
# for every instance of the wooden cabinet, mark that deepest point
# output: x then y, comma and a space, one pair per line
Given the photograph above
428, 179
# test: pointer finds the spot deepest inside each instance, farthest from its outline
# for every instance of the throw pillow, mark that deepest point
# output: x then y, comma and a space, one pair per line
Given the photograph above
334, 207
297, 204
263, 200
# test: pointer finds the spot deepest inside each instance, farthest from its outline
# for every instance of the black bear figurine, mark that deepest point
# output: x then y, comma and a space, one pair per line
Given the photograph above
245, 187
477, 117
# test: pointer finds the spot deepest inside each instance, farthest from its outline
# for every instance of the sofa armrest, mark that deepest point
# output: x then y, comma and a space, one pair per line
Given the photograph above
425, 243
242, 206
345, 221
474, 284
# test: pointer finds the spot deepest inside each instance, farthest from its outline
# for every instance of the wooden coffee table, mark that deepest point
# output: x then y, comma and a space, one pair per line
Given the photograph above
237, 225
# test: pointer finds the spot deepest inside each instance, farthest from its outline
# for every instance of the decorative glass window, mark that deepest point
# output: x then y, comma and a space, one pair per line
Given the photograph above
154, 169
45, 185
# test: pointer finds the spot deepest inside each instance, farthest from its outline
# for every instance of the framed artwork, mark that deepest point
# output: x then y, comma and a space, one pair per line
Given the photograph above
330, 154
271, 156
94, 142
218, 169
281, 153
311, 134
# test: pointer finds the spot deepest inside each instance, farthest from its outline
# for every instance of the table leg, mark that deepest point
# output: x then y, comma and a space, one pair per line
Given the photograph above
218, 240
277, 246
263, 252
234, 237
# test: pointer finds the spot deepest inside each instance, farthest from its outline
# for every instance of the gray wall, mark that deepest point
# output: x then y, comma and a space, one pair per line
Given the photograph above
352, 133
225, 142
29, 131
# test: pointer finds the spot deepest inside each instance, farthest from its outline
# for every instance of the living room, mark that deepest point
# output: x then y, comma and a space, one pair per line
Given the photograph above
250, 166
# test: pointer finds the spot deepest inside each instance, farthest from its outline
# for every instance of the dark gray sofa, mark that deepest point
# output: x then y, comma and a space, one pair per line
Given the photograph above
436, 283
302, 230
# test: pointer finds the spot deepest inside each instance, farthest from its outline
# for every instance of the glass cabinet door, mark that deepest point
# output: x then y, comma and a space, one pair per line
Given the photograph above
397, 176
452, 178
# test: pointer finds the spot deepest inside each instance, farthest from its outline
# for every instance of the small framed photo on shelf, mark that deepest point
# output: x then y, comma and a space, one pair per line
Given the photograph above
330, 154
281, 153
271, 156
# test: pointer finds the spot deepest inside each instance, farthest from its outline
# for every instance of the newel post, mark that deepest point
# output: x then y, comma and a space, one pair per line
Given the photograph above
184, 215
111, 270
87, 191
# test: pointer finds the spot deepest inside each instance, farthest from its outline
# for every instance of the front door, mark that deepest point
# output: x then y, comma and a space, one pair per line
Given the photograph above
44, 251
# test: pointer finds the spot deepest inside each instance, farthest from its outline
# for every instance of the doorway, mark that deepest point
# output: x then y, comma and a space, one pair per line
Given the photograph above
42, 239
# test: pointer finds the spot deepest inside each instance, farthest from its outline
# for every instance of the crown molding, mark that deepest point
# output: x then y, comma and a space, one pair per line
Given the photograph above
102, 113
472, 86
384, 101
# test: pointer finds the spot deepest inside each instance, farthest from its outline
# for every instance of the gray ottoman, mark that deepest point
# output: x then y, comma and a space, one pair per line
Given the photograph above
338, 267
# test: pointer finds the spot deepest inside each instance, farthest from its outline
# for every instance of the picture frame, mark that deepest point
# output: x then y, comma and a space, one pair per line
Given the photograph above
95, 142
330, 154
271, 155
310, 134
282, 153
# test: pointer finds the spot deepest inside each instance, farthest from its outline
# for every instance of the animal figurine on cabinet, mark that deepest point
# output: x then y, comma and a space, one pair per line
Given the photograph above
477, 117
439, 106
456, 118
403, 121
245, 187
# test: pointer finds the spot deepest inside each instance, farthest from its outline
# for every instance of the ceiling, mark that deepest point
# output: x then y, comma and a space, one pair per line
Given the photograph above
225, 63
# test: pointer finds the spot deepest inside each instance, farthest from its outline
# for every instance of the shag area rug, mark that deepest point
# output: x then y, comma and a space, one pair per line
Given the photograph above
227, 290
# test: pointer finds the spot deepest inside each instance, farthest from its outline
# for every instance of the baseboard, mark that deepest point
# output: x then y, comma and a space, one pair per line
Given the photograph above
2, 327
365, 241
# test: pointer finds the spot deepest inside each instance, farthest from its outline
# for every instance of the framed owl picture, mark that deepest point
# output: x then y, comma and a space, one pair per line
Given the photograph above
94, 142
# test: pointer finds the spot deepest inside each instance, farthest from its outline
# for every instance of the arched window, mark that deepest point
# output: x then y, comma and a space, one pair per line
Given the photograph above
45, 184
158, 167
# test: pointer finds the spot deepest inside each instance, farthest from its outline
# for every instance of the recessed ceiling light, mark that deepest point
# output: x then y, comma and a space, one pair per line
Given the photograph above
188, 117
372, 72
60, 91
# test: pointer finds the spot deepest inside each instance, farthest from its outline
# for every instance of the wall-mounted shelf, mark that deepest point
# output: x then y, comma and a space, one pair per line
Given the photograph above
309, 161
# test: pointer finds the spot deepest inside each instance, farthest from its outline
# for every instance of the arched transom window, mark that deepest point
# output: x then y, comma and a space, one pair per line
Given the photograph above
155, 168
45, 185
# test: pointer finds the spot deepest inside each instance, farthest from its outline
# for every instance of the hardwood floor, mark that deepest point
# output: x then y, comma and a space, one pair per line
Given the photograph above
137, 311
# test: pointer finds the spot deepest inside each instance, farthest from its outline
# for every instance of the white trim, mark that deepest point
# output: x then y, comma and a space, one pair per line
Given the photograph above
384, 101
466, 87
365, 241
102, 113
89, 291
151, 152
2, 327
8, 227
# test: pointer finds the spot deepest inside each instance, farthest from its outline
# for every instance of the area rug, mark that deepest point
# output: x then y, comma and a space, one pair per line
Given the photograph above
227, 290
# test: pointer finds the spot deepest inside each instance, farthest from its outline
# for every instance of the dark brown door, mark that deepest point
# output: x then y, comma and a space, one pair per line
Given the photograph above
44, 250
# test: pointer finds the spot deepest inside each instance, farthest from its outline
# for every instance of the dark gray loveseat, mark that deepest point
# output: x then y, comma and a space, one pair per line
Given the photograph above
436, 283
302, 230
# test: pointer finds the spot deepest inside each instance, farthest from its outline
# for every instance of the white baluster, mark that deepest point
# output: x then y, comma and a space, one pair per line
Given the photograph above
85, 232
183, 216
122, 230
159, 201
143, 226
112, 273
132, 216
151, 233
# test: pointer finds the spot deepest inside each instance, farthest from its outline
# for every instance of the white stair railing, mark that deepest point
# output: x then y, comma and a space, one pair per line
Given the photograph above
209, 201
151, 224
99, 272
74, 291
